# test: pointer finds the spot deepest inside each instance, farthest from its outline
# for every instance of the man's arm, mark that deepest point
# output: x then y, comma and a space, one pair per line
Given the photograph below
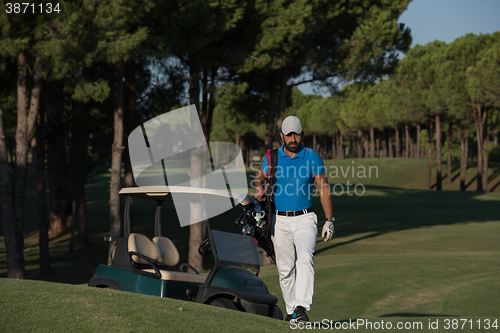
260, 176
324, 193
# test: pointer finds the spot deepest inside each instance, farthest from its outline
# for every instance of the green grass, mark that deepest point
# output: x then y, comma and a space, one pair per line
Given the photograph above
27, 306
400, 254
405, 255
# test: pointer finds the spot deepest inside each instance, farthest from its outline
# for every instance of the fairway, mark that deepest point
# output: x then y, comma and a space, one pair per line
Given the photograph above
407, 255
400, 255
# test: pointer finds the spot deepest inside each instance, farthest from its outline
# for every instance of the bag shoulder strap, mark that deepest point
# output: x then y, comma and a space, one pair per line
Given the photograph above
272, 162
269, 165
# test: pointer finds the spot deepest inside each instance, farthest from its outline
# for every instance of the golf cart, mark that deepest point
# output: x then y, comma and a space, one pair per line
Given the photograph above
146, 266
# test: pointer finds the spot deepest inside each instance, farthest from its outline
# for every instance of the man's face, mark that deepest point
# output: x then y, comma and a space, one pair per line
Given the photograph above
292, 141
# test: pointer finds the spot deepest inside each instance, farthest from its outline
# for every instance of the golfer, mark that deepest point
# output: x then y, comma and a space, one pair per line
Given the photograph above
295, 223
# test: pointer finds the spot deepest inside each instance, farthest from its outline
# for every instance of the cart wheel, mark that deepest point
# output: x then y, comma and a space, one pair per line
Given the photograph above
224, 303
275, 312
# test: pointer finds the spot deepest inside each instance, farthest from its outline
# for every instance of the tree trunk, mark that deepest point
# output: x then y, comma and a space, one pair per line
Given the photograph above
438, 153
383, 144
43, 222
204, 103
407, 141
273, 81
365, 144
20, 172
334, 145
486, 140
377, 152
83, 217
204, 120
79, 166
57, 169
450, 132
25, 125
249, 157
74, 219
196, 230
13, 247
314, 141
128, 120
418, 141
397, 143
430, 149
281, 109
464, 148
389, 143
495, 139
14, 215
60, 195
350, 154
360, 137
211, 104
59, 175
116, 227
477, 112
372, 142
340, 145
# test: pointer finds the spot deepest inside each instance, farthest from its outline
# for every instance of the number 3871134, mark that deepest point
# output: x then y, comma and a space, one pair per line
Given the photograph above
31, 8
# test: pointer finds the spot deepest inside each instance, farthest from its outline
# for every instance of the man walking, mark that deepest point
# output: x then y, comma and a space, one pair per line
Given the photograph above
295, 223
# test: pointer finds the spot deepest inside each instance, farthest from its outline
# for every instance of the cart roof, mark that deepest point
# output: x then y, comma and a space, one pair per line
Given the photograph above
164, 193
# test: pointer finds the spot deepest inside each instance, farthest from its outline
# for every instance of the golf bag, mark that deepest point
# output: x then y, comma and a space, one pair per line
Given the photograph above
256, 218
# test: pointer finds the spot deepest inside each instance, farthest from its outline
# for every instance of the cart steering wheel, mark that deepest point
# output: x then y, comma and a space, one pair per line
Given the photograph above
205, 247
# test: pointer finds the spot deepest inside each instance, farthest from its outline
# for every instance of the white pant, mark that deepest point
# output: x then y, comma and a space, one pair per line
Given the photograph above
295, 234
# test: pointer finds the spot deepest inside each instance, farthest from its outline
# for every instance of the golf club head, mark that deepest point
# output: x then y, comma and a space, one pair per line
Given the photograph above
261, 224
244, 199
251, 230
238, 220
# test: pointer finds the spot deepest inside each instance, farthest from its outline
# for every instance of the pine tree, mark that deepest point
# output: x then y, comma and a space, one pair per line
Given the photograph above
463, 53
417, 73
23, 37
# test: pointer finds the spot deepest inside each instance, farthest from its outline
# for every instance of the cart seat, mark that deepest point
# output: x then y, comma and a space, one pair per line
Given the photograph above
169, 255
141, 244
162, 251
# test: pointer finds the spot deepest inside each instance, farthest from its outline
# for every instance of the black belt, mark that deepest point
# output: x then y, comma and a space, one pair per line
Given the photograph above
290, 213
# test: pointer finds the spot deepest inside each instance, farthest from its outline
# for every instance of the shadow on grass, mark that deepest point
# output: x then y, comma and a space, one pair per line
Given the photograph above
455, 166
494, 187
413, 315
444, 175
470, 182
384, 210
375, 234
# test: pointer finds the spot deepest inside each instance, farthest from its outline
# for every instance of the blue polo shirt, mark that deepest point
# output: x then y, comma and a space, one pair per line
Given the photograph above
294, 178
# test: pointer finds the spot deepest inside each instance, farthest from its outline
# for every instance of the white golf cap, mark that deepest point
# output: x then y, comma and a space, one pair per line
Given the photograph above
291, 124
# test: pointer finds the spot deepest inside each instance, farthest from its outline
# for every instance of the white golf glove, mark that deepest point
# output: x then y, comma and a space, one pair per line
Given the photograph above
328, 231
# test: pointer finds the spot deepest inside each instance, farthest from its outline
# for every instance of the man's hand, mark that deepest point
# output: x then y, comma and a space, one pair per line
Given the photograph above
328, 231
260, 177
259, 193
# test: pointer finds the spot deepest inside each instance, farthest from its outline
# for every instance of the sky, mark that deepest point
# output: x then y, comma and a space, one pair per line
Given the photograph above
446, 20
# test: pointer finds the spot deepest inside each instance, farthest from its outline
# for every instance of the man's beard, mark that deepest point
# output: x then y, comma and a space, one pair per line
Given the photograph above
295, 149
